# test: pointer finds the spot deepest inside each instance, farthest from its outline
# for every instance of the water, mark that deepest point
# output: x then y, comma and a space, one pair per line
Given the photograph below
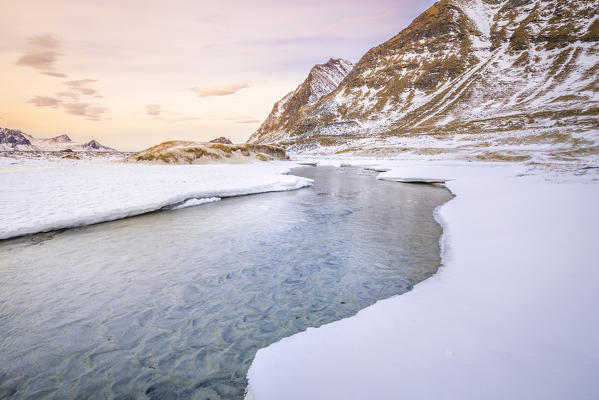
175, 304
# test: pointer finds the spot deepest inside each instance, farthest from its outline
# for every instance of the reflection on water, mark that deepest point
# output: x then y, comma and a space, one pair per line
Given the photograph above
176, 304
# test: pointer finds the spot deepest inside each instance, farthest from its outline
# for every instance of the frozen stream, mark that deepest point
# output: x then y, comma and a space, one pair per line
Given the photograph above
175, 304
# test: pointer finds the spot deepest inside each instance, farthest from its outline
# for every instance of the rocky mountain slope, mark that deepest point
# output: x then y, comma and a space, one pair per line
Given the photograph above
15, 140
322, 80
520, 77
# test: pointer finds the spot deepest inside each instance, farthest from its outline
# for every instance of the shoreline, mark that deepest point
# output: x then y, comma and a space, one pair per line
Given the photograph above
48, 197
488, 324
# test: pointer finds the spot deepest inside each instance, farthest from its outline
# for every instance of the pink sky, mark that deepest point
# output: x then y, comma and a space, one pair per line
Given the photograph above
132, 74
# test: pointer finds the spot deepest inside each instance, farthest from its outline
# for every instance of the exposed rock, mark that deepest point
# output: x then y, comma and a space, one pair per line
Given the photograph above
222, 140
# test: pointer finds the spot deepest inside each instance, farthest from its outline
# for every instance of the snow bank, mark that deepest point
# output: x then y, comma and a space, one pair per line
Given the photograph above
511, 315
45, 197
196, 202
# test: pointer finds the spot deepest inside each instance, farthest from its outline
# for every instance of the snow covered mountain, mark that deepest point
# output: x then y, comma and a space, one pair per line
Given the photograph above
322, 80
518, 76
15, 140
94, 145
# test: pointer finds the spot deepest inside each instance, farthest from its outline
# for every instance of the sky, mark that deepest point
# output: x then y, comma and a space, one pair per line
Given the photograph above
132, 74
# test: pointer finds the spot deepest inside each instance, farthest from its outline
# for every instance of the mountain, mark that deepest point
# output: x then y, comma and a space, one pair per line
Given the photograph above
60, 139
221, 140
94, 145
518, 76
322, 80
15, 140
11, 139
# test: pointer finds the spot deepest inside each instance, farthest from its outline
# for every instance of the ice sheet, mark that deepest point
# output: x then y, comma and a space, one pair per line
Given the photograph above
50, 196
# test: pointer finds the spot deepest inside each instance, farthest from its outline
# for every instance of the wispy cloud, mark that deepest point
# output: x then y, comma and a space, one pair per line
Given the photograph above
80, 86
153, 109
42, 53
38, 59
90, 111
246, 121
45, 40
70, 95
220, 90
55, 74
43, 101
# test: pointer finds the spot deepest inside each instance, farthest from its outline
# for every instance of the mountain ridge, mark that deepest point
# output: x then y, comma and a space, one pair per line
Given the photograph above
16, 140
464, 75
321, 80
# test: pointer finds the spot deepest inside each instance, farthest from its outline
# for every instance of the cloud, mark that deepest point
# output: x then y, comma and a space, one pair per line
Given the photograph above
220, 90
42, 54
92, 112
56, 74
43, 101
246, 121
153, 109
80, 86
38, 59
70, 95
46, 40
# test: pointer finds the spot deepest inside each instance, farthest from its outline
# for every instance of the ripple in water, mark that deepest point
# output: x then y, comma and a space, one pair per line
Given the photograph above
174, 305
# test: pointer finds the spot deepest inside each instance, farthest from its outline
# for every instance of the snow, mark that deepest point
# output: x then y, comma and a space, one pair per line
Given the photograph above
480, 14
196, 202
510, 315
45, 196
58, 143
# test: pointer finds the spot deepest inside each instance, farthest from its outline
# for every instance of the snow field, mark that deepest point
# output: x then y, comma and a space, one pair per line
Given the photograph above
508, 316
46, 197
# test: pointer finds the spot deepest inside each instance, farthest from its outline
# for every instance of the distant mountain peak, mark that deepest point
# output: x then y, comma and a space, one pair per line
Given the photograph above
61, 139
322, 80
221, 140
95, 145
16, 140
13, 139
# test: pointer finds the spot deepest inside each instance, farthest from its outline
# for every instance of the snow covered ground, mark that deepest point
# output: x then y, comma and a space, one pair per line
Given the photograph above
40, 196
510, 315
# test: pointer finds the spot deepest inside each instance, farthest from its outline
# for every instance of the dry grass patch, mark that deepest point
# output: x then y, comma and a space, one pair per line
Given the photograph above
180, 152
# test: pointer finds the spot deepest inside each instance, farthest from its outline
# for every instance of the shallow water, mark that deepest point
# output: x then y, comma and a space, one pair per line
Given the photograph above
175, 304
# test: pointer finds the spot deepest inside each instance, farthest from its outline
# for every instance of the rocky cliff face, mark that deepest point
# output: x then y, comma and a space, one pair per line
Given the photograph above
322, 80
514, 75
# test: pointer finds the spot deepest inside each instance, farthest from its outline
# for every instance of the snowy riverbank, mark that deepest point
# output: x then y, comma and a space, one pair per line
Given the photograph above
41, 196
510, 315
